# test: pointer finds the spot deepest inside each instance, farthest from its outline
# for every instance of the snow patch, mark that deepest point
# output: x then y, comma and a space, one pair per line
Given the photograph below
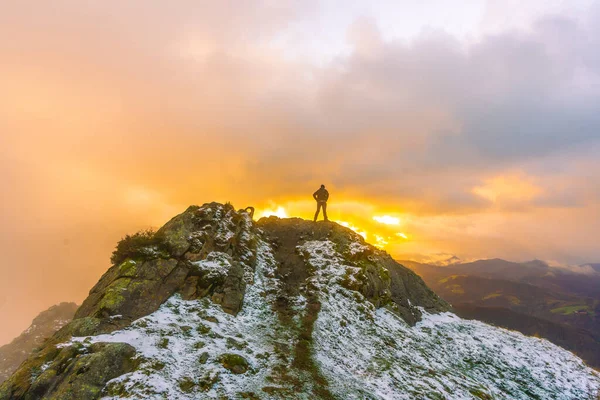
357, 248
215, 266
365, 352
183, 340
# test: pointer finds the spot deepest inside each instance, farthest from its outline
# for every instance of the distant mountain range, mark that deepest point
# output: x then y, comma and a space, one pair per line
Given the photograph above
42, 327
559, 304
595, 267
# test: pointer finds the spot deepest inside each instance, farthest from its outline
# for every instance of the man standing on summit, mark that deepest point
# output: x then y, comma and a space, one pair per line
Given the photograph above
321, 196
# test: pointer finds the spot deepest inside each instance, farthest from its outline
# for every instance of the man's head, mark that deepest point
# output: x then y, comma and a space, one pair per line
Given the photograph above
322, 186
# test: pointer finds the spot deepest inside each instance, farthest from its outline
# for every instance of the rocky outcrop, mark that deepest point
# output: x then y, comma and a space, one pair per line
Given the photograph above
409, 290
190, 245
193, 241
376, 275
78, 372
211, 252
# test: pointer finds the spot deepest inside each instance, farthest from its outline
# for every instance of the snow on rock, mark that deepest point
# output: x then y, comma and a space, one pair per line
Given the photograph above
182, 345
357, 248
192, 349
368, 353
215, 266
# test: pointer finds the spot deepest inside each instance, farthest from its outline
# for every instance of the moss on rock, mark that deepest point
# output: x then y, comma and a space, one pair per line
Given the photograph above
187, 385
113, 297
128, 268
480, 394
175, 233
74, 373
234, 363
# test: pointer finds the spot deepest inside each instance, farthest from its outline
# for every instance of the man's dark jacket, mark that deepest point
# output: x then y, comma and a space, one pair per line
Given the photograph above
321, 195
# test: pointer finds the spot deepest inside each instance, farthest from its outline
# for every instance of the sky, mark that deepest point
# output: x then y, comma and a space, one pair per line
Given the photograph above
439, 129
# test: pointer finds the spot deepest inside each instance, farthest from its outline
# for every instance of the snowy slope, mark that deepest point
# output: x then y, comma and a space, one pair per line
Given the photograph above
362, 352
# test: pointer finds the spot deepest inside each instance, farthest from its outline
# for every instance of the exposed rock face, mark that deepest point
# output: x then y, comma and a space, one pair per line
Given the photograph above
79, 372
42, 327
234, 363
138, 287
278, 309
377, 276
198, 241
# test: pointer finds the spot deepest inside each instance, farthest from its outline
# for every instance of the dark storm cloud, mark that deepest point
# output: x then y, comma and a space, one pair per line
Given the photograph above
509, 97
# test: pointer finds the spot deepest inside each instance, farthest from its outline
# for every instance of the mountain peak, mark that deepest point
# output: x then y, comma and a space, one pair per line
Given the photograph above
219, 306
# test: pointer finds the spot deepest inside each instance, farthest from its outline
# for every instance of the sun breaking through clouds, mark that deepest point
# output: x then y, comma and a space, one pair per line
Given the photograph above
386, 219
470, 130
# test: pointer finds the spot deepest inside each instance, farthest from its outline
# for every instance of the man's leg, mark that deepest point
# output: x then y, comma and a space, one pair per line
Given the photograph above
325, 211
318, 209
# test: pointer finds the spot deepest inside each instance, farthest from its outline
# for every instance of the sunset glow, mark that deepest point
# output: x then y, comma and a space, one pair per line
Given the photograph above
508, 188
378, 231
279, 212
386, 219
354, 228
380, 241
475, 135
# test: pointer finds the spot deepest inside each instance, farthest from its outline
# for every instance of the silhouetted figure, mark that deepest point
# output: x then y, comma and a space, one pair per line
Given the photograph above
321, 196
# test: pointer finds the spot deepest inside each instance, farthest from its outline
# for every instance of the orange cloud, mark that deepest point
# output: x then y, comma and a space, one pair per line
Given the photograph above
511, 188
115, 116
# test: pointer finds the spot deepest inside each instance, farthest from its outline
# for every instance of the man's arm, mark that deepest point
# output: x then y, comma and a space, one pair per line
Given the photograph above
315, 195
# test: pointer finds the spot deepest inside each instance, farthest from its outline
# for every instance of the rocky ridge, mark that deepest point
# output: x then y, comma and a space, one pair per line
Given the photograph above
228, 308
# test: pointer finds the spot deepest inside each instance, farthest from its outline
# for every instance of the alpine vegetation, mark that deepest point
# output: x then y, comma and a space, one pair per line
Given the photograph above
219, 306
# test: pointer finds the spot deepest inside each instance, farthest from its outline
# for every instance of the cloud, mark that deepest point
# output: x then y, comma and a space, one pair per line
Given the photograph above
512, 190
113, 116
381, 119
576, 269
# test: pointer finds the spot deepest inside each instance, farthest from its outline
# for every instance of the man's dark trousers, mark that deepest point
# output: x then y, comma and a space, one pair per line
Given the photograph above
321, 204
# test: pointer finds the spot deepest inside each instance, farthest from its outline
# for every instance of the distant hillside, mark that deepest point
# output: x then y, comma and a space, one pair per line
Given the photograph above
502, 269
42, 327
522, 297
535, 272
